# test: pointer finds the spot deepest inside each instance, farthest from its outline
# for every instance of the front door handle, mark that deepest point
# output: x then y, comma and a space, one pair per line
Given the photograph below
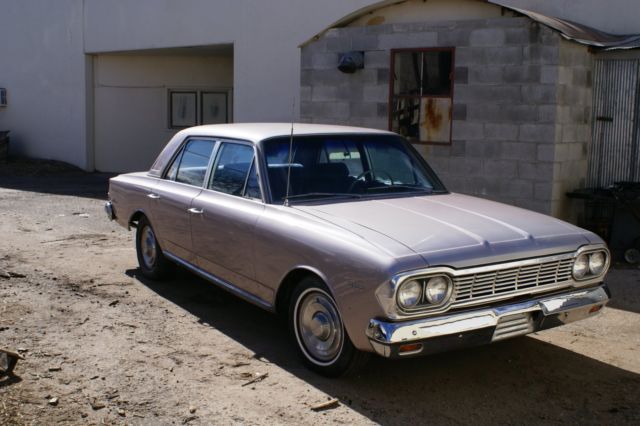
154, 196
195, 210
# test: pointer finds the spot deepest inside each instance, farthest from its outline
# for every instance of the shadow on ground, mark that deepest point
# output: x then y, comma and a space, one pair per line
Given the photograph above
9, 380
624, 283
517, 381
52, 177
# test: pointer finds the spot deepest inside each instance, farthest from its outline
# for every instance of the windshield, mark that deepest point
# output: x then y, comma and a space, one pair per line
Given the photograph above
350, 166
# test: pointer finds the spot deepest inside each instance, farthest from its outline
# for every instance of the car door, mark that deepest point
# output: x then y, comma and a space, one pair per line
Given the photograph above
171, 199
228, 209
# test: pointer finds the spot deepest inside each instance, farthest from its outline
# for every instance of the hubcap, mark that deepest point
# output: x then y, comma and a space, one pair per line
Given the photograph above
148, 246
319, 326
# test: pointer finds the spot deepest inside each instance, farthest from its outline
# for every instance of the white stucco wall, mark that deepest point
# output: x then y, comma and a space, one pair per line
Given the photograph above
42, 66
43, 45
265, 35
131, 105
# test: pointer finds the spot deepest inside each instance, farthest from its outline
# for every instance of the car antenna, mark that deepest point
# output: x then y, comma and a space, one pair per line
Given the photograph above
293, 108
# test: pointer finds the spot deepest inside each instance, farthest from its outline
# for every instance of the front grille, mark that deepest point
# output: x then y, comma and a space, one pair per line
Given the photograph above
496, 283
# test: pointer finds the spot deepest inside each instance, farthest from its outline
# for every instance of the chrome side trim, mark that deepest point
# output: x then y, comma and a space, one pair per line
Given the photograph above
568, 306
220, 282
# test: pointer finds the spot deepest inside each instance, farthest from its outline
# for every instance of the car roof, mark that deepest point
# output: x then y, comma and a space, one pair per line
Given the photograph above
252, 132
255, 132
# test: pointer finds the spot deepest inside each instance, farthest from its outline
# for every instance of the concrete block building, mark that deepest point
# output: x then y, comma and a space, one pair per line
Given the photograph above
499, 100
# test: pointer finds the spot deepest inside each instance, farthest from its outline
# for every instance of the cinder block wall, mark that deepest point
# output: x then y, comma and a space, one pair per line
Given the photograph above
573, 127
511, 96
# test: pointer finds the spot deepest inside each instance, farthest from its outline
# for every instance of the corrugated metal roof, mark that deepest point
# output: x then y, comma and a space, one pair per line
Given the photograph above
581, 33
570, 30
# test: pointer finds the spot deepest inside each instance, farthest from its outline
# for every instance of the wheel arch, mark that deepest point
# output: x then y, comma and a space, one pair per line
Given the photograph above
289, 282
135, 218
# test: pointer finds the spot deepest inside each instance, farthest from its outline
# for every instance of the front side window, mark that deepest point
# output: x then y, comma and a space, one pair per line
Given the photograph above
231, 171
190, 165
421, 95
352, 166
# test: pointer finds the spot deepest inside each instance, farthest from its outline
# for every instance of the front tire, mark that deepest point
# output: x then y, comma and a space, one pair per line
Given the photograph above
152, 262
318, 331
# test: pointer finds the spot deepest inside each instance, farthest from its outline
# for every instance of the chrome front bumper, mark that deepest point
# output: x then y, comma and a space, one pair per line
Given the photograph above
451, 331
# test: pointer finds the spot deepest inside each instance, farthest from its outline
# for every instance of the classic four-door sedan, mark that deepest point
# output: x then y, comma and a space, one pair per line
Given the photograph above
349, 234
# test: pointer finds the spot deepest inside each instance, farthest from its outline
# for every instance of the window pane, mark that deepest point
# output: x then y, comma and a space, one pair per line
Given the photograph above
436, 77
405, 116
392, 164
194, 162
389, 166
342, 151
183, 109
407, 73
173, 170
422, 73
232, 166
253, 188
214, 108
421, 101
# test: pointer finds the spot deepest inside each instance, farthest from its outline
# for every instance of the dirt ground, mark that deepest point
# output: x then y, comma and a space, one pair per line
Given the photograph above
104, 346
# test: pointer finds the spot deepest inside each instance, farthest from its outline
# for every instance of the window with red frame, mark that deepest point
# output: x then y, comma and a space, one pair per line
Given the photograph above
421, 94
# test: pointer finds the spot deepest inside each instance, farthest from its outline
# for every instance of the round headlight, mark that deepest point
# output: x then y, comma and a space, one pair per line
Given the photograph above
597, 261
409, 294
438, 290
581, 266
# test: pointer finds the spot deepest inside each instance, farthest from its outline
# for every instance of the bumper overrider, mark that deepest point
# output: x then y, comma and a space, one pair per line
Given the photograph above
108, 209
456, 330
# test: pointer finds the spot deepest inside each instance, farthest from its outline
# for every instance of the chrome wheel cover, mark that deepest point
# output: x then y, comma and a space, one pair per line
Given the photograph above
148, 247
318, 326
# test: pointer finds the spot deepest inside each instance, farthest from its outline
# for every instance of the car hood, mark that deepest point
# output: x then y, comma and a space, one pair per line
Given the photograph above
455, 230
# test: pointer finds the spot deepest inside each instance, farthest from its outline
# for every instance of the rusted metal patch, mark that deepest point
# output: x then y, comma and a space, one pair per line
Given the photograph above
435, 119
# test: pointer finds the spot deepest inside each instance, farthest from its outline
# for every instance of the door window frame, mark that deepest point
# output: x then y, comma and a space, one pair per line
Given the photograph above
254, 163
178, 155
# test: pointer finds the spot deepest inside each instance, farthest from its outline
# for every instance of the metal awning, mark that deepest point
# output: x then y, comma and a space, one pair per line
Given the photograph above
581, 33
568, 29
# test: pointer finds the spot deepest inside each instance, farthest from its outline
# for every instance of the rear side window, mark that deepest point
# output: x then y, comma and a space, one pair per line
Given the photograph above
190, 166
231, 169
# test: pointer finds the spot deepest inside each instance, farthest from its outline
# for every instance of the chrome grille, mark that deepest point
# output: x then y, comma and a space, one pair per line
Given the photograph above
503, 282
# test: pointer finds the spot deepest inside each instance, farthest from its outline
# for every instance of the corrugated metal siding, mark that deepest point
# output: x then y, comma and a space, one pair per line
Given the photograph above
614, 153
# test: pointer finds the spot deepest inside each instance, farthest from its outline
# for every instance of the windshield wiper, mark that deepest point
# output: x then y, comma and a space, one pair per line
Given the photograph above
321, 195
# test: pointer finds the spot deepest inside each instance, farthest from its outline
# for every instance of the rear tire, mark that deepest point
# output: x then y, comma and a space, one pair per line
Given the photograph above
152, 262
318, 332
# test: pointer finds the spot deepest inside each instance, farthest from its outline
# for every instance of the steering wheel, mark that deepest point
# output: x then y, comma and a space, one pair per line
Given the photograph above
371, 172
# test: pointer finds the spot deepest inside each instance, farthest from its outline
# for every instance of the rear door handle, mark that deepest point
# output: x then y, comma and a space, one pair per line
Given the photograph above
154, 196
195, 210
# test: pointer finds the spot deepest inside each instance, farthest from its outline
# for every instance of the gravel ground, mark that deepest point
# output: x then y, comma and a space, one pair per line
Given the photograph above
103, 345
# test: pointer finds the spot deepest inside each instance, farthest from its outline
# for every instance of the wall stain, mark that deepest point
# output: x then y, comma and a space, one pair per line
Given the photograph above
433, 119
376, 20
